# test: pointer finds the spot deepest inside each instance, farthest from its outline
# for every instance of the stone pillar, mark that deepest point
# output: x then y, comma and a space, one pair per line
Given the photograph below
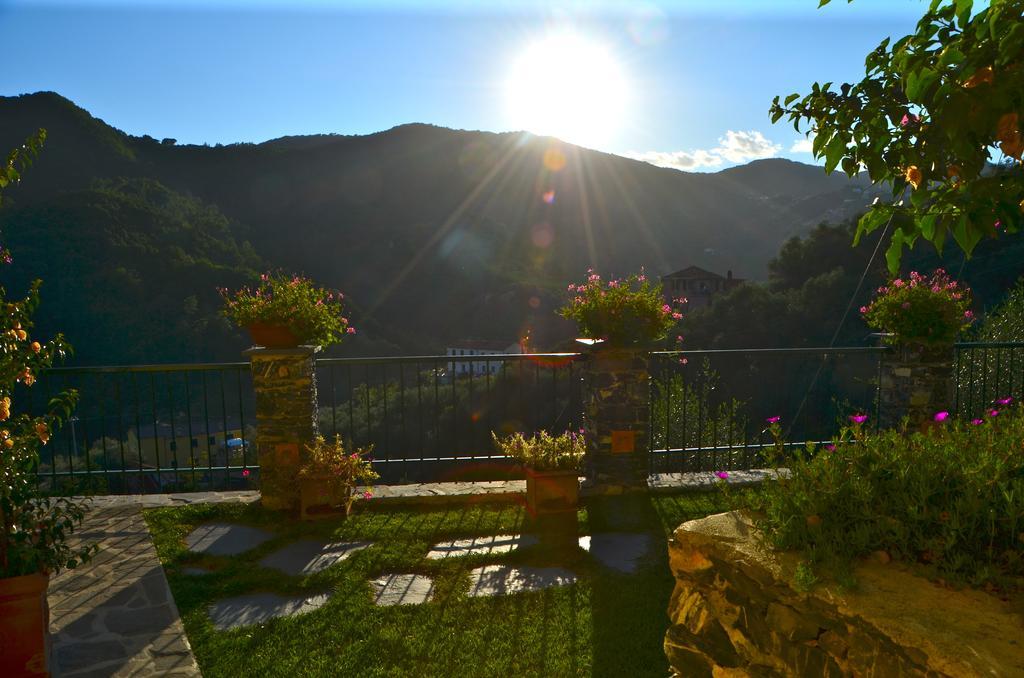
616, 419
284, 380
915, 384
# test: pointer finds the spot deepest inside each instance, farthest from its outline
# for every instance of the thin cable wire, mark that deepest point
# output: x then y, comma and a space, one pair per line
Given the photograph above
842, 321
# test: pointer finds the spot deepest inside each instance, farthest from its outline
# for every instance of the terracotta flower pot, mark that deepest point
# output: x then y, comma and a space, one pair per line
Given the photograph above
272, 336
551, 491
320, 498
24, 626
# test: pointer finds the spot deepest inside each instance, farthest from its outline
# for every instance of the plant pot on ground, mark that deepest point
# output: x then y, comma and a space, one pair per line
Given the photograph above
552, 465
329, 477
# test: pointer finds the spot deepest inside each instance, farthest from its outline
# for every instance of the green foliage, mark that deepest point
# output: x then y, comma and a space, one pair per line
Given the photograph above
33, 528
921, 311
313, 314
620, 311
20, 159
543, 451
935, 110
951, 499
344, 470
1006, 321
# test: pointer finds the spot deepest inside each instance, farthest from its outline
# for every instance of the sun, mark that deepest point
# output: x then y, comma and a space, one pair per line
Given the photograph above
567, 86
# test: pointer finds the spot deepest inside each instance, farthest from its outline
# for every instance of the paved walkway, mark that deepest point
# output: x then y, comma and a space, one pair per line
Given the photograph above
116, 617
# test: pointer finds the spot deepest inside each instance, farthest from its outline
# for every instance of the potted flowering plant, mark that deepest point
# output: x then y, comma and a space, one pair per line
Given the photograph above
620, 312
552, 466
329, 476
34, 529
285, 311
921, 313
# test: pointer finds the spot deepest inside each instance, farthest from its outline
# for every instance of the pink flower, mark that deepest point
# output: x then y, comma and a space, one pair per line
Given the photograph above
774, 420
350, 330
613, 283
858, 418
683, 361
722, 474
897, 283
908, 118
245, 473
1004, 401
679, 338
977, 422
666, 309
367, 494
677, 316
863, 309
968, 314
993, 413
998, 225
941, 416
830, 447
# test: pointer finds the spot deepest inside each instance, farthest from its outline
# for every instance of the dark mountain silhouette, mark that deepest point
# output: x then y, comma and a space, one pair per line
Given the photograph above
435, 234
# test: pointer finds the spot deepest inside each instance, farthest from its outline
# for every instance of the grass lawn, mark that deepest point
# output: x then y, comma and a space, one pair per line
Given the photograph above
607, 624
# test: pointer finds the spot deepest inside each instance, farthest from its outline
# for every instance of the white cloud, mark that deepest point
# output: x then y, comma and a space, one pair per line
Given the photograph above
734, 147
802, 145
744, 146
680, 160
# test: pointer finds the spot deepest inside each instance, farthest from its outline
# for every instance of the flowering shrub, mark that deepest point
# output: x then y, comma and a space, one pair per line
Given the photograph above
921, 311
950, 500
543, 451
35, 528
343, 470
313, 314
620, 311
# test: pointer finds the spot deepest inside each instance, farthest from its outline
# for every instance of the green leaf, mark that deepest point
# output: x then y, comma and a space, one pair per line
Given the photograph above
927, 225
965, 236
894, 252
871, 220
834, 152
791, 98
918, 83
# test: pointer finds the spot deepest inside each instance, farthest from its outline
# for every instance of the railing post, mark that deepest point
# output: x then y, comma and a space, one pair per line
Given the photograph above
616, 419
916, 384
284, 381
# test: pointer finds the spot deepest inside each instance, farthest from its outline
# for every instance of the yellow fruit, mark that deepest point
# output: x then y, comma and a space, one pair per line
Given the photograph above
913, 176
8, 443
43, 431
36, 347
22, 335
982, 75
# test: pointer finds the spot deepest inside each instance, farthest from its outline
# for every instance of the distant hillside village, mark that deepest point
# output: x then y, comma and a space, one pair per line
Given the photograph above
697, 285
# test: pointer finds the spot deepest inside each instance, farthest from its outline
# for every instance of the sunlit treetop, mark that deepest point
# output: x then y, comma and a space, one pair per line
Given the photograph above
938, 114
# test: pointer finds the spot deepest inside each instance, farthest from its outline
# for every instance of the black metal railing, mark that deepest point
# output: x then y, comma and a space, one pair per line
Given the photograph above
441, 410
985, 373
710, 409
150, 428
167, 428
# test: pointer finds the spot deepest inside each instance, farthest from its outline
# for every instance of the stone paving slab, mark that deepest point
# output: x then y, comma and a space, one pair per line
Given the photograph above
225, 539
500, 580
402, 589
115, 615
257, 608
622, 551
705, 480
309, 556
490, 545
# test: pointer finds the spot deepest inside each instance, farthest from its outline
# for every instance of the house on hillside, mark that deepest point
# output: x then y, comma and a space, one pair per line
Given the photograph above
697, 285
475, 347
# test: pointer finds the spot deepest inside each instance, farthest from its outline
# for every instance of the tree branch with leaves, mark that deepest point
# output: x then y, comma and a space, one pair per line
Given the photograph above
938, 115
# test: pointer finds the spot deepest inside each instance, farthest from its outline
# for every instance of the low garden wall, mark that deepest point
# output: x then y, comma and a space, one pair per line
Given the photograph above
735, 612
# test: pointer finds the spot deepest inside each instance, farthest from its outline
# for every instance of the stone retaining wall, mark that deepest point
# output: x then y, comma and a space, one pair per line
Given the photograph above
735, 613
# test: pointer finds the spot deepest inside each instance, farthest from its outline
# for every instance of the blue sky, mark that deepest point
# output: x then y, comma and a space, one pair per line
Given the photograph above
697, 75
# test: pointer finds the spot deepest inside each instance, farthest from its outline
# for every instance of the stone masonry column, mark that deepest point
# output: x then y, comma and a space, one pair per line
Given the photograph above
616, 419
915, 384
284, 380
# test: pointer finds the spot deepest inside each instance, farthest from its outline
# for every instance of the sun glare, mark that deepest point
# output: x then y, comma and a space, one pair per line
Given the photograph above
567, 86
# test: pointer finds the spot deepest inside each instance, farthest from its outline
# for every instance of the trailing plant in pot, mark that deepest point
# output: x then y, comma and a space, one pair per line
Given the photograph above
35, 528
621, 312
552, 466
285, 311
329, 477
921, 313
